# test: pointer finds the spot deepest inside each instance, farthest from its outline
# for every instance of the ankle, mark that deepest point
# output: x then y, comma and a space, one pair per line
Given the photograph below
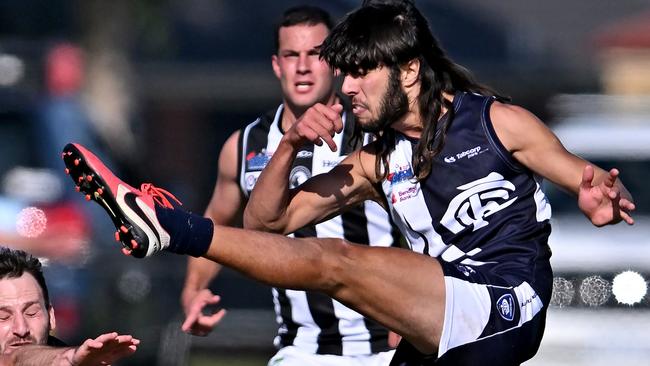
189, 233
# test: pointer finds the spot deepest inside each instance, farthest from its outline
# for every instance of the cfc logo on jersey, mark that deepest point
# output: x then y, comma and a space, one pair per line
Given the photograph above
477, 201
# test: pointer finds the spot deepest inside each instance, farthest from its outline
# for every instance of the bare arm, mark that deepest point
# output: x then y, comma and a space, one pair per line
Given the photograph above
601, 195
103, 350
274, 207
225, 208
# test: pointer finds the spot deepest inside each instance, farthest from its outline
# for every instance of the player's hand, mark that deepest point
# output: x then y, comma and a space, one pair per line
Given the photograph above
317, 125
604, 203
197, 323
103, 350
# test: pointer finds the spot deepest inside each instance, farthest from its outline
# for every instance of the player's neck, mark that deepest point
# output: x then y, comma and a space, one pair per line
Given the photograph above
411, 124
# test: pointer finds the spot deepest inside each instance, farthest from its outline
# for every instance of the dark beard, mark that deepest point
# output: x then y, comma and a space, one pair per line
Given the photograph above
394, 105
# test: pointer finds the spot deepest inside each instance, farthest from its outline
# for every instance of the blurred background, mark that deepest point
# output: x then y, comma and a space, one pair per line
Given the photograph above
155, 88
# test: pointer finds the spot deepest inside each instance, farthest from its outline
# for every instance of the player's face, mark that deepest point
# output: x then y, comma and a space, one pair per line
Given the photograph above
24, 319
378, 99
304, 78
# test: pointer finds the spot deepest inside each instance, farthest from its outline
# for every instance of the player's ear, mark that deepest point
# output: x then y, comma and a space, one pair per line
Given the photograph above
410, 72
50, 311
276, 66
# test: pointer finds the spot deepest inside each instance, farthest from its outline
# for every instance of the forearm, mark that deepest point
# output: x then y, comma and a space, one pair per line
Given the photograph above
200, 272
270, 198
42, 355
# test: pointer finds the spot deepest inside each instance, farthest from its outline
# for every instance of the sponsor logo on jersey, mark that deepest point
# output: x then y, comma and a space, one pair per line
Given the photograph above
529, 300
469, 153
401, 196
298, 176
304, 154
257, 160
478, 200
250, 179
465, 270
400, 174
505, 307
330, 163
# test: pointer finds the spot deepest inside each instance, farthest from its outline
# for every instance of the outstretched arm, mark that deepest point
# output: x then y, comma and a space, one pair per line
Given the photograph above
103, 350
225, 208
602, 197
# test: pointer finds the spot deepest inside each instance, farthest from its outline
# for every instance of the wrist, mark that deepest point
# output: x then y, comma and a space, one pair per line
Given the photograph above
66, 358
291, 144
187, 296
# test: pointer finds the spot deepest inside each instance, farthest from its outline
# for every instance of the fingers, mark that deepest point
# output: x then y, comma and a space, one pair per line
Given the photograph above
627, 218
587, 177
190, 319
213, 319
611, 178
195, 322
320, 124
106, 336
100, 340
393, 339
614, 194
104, 350
202, 325
127, 339
103, 339
627, 205
338, 108
318, 133
195, 310
333, 114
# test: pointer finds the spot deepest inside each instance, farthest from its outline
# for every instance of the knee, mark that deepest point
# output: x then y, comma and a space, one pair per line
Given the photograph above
335, 263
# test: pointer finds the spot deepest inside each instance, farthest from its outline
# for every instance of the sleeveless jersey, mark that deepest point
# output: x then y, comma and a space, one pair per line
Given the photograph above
479, 206
311, 320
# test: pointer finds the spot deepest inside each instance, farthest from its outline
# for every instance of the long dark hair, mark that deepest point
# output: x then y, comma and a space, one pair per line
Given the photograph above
392, 33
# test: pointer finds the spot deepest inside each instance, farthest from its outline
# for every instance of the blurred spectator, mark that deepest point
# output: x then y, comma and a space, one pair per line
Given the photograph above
27, 319
61, 113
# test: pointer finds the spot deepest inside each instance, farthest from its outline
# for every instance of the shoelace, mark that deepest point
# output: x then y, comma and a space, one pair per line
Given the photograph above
159, 195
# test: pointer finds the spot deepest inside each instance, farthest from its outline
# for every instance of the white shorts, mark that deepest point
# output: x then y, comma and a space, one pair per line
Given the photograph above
293, 356
479, 306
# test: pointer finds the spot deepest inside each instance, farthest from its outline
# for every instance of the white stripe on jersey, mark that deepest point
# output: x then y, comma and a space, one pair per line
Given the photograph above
353, 330
275, 134
376, 231
242, 168
308, 331
278, 318
351, 325
416, 223
543, 207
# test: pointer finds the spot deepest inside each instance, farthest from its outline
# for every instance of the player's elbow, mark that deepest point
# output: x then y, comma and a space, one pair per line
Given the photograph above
253, 221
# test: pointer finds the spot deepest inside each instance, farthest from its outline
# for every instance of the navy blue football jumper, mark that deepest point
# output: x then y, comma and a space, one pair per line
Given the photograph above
484, 217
